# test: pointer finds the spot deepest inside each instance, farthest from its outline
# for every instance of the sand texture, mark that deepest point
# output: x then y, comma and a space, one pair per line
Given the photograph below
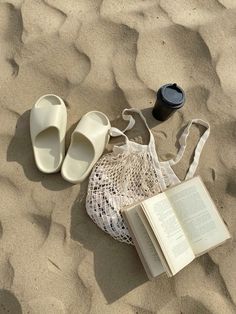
109, 55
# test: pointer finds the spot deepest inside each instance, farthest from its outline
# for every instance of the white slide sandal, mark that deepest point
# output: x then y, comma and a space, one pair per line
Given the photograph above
88, 142
48, 119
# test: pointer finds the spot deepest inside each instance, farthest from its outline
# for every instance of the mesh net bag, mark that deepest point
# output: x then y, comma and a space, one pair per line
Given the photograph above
131, 173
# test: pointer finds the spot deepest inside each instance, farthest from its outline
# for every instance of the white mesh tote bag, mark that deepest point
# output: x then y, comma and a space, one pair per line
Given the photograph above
131, 173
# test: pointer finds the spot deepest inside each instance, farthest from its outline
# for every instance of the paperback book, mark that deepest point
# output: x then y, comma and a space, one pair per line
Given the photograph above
172, 228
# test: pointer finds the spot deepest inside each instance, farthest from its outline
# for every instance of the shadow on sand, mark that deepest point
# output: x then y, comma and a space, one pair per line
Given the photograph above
9, 303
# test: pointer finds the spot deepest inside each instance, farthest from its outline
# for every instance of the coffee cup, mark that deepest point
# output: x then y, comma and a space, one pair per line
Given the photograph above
170, 97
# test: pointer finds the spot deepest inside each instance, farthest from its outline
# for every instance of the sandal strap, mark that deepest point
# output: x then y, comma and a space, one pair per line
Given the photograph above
93, 130
42, 118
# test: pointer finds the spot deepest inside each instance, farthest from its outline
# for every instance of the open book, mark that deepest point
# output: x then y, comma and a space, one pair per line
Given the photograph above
174, 227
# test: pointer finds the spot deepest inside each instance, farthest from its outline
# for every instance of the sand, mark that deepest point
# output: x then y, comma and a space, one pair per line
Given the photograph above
109, 55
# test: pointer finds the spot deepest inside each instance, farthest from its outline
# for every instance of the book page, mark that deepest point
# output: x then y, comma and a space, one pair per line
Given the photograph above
198, 215
142, 239
168, 231
154, 241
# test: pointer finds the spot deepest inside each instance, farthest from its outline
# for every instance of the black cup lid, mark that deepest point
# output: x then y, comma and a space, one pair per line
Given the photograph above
172, 95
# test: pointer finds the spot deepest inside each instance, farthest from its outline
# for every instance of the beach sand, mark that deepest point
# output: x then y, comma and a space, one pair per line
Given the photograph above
109, 55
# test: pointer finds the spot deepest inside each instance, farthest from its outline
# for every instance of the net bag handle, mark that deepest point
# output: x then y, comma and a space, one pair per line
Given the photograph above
115, 132
198, 149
